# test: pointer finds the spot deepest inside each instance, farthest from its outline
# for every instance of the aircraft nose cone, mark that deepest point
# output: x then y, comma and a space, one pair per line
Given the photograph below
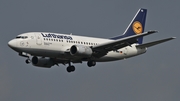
12, 43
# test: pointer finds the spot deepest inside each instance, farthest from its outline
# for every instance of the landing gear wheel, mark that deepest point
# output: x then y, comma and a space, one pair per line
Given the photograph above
70, 69
28, 61
91, 63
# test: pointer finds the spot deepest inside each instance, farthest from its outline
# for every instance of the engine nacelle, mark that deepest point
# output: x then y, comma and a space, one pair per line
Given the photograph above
81, 51
42, 62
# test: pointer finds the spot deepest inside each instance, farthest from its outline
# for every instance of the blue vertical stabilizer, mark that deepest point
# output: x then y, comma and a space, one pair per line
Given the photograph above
136, 26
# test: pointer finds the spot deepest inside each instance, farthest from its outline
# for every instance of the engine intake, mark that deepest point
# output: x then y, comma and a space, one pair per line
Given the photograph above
81, 51
42, 62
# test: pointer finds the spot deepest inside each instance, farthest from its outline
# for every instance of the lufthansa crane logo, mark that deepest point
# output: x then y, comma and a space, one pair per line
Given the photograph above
137, 27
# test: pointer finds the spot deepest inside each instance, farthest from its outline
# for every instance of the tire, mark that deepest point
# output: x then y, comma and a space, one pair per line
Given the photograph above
72, 68
91, 63
68, 69
27, 61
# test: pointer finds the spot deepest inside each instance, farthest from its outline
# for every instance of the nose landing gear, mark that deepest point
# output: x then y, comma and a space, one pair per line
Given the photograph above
28, 61
25, 55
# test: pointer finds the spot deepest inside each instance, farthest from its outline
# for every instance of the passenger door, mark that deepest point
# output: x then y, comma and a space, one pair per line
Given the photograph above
38, 38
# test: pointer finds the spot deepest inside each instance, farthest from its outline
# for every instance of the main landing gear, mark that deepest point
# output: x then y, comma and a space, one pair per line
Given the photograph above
91, 63
70, 68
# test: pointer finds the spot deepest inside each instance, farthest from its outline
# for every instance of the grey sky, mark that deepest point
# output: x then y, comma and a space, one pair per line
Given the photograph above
154, 76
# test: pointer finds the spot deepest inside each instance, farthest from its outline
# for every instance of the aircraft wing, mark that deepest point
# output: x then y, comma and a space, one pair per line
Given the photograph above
103, 49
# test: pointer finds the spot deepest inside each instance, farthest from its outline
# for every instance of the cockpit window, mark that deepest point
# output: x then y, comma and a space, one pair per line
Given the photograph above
21, 37
18, 37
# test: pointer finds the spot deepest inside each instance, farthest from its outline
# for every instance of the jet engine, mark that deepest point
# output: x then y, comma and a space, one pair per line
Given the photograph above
81, 51
42, 62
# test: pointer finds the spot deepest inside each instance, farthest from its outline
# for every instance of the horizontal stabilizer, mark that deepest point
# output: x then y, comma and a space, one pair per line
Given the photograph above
154, 43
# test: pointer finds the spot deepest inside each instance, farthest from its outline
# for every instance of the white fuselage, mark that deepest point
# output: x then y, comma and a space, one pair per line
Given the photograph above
55, 45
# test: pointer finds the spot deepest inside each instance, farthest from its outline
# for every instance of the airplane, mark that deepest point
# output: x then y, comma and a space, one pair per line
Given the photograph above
46, 49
